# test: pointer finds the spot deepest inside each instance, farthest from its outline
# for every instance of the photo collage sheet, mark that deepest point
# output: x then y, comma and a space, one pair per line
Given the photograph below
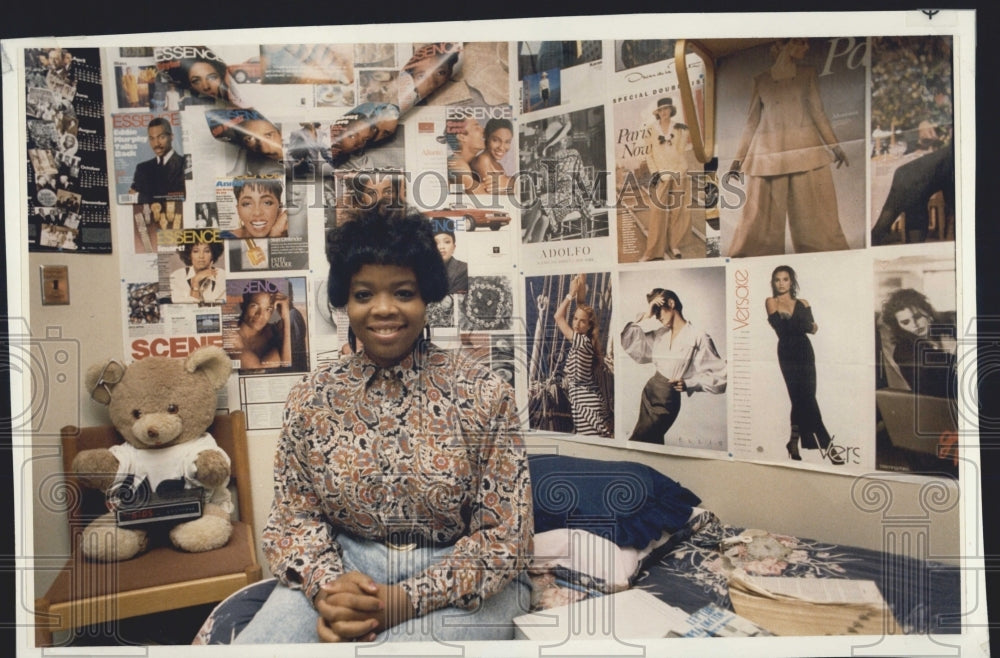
790, 300
68, 207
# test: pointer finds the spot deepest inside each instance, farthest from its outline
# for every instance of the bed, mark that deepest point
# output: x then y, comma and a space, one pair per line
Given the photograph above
607, 526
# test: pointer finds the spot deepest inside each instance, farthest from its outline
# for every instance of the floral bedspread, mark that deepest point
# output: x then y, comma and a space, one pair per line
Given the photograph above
692, 570
923, 595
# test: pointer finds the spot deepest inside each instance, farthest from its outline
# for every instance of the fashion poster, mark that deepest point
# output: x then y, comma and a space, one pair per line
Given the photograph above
264, 324
307, 151
912, 140
800, 363
142, 82
917, 343
670, 358
67, 181
791, 142
656, 178
555, 73
570, 354
563, 189
540, 91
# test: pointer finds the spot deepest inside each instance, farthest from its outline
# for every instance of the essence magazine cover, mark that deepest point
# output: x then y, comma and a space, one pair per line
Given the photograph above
264, 325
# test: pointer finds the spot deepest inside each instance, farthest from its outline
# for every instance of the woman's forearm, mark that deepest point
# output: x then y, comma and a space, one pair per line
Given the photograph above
286, 341
561, 317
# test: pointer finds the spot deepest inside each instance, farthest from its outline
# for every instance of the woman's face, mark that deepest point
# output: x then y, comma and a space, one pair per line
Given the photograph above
386, 311
258, 311
666, 317
201, 256
379, 191
913, 321
258, 209
261, 136
581, 321
204, 79
499, 143
797, 48
355, 137
428, 75
445, 245
782, 282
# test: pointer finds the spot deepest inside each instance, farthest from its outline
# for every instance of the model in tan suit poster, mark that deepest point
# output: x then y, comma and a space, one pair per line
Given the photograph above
792, 148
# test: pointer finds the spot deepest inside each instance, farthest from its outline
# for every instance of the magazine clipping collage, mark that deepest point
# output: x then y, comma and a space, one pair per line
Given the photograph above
563, 181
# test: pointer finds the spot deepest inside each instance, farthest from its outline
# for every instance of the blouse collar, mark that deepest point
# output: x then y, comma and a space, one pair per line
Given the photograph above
407, 370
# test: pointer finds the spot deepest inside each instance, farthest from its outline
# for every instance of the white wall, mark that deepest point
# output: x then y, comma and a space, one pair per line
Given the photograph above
91, 324
812, 504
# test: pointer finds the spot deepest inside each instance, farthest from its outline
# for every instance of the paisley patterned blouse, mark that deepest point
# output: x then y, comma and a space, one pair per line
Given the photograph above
430, 448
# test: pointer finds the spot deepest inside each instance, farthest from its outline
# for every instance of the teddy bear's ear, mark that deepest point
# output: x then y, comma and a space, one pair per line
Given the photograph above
214, 362
101, 378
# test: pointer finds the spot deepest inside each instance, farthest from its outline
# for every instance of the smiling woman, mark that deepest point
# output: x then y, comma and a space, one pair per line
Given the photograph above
258, 205
259, 342
357, 551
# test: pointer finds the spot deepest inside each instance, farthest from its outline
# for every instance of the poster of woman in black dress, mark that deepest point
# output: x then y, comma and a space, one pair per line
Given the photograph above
800, 361
791, 317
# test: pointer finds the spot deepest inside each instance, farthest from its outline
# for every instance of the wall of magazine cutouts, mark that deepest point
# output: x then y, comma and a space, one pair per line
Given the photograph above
792, 299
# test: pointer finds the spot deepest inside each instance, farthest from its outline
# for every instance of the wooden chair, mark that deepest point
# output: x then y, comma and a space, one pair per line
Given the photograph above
163, 578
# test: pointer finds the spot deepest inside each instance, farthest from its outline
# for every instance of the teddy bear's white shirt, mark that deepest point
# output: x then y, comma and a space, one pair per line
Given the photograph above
170, 463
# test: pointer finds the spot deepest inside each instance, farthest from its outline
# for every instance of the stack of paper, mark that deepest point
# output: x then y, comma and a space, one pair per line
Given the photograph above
812, 606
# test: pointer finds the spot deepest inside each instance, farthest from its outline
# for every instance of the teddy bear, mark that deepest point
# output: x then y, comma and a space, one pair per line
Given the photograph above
162, 407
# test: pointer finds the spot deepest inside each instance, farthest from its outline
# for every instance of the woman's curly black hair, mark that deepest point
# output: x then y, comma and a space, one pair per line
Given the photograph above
905, 299
185, 254
385, 236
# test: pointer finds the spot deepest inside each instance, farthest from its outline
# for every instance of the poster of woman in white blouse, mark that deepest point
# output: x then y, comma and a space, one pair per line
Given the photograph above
673, 359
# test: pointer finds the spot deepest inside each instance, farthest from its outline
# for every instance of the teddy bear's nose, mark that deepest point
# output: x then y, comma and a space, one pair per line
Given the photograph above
152, 433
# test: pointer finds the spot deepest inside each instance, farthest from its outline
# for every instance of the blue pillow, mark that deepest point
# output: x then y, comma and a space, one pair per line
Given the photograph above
626, 502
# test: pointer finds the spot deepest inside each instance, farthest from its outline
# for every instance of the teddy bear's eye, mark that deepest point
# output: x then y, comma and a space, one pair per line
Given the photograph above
171, 408
136, 414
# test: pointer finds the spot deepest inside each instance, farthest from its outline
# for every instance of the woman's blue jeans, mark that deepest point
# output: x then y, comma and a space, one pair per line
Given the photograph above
289, 617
